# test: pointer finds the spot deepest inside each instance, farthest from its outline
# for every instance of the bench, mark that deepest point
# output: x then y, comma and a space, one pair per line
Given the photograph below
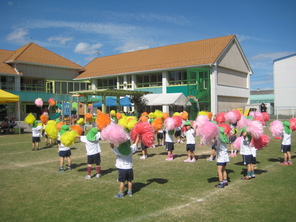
12, 130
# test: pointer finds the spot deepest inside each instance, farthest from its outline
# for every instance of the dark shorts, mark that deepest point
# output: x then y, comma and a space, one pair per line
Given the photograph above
169, 146
248, 159
96, 158
190, 147
35, 139
232, 139
221, 164
286, 148
143, 147
58, 142
125, 175
178, 133
213, 147
65, 153
159, 136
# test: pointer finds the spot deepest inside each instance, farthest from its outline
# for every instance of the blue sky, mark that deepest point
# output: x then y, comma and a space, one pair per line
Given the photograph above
78, 30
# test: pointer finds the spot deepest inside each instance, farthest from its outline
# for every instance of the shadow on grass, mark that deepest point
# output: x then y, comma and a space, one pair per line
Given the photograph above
138, 186
257, 172
216, 179
84, 169
275, 160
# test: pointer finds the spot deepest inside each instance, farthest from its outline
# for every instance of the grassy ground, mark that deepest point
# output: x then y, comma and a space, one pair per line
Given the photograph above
32, 189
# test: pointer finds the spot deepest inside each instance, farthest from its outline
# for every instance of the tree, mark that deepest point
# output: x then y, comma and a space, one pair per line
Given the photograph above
139, 102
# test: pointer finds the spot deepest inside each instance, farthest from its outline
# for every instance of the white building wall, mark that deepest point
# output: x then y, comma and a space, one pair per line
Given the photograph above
285, 82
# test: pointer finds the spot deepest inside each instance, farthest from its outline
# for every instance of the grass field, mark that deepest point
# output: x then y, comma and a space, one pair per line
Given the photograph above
32, 189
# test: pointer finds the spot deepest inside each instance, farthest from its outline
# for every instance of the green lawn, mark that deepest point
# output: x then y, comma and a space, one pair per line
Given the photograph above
32, 189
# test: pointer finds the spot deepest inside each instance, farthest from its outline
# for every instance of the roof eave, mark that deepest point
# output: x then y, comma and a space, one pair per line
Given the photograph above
42, 64
141, 72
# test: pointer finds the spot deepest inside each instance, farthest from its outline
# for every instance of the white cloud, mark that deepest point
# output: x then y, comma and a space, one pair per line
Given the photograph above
10, 3
87, 49
131, 46
60, 40
18, 35
270, 56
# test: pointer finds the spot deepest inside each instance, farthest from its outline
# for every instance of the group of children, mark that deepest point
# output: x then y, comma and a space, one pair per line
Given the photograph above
124, 159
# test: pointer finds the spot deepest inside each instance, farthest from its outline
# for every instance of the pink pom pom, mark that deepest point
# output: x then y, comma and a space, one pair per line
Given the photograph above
243, 122
220, 117
39, 102
265, 117
199, 122
169, 123
260, 119
261, 142
145, 130
293, 124
177, 120
209, 131
231, 117
276, 128
238, 114
226, 128
237, 143
252, 114
114, 133
258, 113
256, 129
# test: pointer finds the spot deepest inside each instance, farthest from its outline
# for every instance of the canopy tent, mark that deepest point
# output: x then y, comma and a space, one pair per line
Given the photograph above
177, 99
112, 102
6, 97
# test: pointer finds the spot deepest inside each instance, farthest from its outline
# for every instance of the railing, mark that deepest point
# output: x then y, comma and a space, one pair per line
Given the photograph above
7, 86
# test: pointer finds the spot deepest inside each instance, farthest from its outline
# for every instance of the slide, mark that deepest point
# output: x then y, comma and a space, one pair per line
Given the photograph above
55, 116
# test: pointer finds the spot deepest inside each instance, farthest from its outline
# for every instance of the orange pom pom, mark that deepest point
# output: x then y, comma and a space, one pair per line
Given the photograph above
77, 128
118, 116
59, 125
44, 119
102, 121
88, 117
184, 115
165, 115
143, 118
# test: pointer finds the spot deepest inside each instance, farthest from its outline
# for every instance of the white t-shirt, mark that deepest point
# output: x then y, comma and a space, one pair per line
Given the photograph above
63, 147
92, 148
286, 138
245, 148
36, 131
124, 161
190, 136
169, 138
222, 152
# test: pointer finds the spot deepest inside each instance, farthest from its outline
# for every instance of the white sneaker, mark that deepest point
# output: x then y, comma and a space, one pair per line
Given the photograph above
143, 157
88, 177
210, 159
187, 160
193, 160
98, 175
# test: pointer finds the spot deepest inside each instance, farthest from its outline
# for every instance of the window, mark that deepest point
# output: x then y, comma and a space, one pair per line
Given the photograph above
7, 82
129, 82
65, 87
107, 83
149, 80
177, 77
121, 83
32, 84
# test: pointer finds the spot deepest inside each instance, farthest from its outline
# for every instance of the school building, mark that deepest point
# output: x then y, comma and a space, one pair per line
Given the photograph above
209, 75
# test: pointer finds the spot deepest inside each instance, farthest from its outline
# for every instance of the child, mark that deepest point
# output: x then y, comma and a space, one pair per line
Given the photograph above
124, 164
169, 144
160, 137
64, 151
232, 138
178, 134
222, 160
246, 152
190, 142
93, 151
286, 144
36, 133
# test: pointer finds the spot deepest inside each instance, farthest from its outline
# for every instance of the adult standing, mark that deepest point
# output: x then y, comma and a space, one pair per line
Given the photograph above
263, 108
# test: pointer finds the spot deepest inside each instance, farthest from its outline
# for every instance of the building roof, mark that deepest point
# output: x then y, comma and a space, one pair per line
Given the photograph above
197, 53
268, 98
5, 68
35, 54
261, 92
285, 57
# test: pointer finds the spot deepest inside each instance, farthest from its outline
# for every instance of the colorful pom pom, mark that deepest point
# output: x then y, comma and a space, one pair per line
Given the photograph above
293, 124
256, 129
77, 128
177, 120
114, 133
169, 124
209, 131
220, 117
231, 117
157, 124
226, 128
237, 143
44, 119
184, 115
102, 121
145, 130
88, 117
30, 118
261, 142
39, 102
68, 138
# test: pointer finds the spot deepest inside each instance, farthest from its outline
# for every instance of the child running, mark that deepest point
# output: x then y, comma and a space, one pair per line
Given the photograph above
93, 151
169, 144
190, 142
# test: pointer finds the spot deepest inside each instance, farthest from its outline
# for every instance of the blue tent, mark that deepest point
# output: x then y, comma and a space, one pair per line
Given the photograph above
112, 102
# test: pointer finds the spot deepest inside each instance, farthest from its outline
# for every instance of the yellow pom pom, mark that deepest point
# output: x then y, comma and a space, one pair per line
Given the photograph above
30, 118
158, 114
68, 138
112, 112
176, 114
80, 121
